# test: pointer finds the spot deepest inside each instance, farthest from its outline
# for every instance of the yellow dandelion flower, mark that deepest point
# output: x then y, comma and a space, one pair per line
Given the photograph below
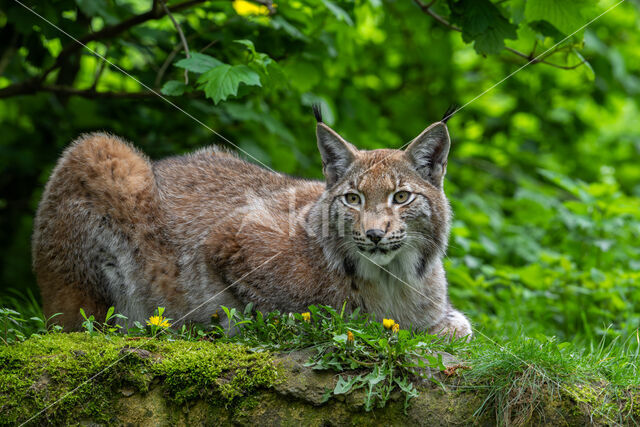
247, 8
395, 328
388, 323
349, 336
158, 321
306, 316
215, 317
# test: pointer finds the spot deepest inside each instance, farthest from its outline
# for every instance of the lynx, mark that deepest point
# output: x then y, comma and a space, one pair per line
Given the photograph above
196, 232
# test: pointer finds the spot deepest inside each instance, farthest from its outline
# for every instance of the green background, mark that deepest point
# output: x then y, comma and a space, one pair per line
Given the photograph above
543, 176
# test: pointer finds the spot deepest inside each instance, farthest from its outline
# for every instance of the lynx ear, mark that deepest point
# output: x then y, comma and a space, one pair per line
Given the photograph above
337, 154
428, 153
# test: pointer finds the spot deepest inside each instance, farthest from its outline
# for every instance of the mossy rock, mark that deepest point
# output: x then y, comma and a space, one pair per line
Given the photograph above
64, 379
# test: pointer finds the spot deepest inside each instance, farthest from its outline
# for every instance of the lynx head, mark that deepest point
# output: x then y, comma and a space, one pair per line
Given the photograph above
386, 205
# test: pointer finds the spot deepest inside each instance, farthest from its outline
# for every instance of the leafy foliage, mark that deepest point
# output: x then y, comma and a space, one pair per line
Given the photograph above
482, 22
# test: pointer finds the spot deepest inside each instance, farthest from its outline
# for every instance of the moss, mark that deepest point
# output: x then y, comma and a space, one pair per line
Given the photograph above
215, 372
608, 404
114, 380
87, 374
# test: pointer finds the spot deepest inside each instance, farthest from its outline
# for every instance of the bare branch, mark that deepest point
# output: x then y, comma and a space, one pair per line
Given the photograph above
166, 63
90, 93
211, 43
114, 30
33, 84
182, 38
100, 69
426, 8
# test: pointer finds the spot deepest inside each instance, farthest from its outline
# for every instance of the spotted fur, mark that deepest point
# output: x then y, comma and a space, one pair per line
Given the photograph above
195, 232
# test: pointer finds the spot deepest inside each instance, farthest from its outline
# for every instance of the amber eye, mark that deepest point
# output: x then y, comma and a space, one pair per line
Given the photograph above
401, 197
352, 199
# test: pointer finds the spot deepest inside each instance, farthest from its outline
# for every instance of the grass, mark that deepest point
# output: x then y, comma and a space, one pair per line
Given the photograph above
520, 376
523, 373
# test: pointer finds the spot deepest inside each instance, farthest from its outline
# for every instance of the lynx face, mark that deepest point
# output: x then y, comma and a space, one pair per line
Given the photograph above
388, 205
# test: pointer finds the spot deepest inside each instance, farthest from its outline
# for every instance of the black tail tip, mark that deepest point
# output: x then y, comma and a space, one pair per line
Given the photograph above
317, 112
453, 108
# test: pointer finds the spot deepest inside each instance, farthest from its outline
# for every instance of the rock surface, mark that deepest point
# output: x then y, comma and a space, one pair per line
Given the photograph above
203, 383
299, 399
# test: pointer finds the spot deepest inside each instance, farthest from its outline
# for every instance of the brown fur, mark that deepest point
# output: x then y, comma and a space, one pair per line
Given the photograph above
195, 232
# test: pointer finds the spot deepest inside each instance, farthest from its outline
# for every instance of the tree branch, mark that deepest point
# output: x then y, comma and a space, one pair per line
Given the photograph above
114, 30
426, 8
33, 84
166, 63
99, 70
91, 93
182, 38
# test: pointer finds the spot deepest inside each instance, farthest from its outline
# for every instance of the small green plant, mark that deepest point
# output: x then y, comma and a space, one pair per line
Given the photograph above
108, 327
12, 326
390, 357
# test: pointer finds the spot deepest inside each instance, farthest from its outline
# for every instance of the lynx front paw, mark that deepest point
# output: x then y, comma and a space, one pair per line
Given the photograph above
454, 324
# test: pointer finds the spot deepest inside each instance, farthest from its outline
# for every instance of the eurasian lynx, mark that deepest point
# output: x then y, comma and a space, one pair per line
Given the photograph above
194, 232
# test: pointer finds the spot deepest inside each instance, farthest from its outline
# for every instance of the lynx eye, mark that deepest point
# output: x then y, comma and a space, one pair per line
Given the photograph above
352, 199
401, 197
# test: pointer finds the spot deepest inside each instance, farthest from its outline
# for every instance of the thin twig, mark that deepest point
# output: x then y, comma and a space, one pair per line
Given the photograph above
114, 30
99, 71
33, 84
544, 61
182, 38
208, 45
166, 63
426, 8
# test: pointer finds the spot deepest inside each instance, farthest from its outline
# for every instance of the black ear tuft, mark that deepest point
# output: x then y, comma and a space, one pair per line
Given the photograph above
317, 112
453, 108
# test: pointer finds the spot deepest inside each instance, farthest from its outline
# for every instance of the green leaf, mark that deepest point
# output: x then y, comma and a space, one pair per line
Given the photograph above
547, 30
248, 43
376, 376
338, 12
225, 79
565, 15
344, 386
198, 63
173, 88
97, 8
341, 339
482, 22
279, 23
262, 60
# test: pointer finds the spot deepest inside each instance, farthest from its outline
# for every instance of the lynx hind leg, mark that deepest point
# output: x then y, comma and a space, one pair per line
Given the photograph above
99, 195
454, 324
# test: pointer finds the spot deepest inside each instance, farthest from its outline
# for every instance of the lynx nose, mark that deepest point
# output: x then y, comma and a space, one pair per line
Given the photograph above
375, 235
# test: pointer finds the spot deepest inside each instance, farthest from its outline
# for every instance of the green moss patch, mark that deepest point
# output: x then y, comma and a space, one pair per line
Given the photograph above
85, 374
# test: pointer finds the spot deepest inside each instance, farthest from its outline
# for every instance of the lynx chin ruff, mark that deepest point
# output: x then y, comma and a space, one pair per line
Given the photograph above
116, 229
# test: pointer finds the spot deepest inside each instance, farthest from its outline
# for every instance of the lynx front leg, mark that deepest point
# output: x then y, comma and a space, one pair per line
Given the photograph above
453, 324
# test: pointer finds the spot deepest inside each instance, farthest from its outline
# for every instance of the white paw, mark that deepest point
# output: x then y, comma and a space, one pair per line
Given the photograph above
454, 324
